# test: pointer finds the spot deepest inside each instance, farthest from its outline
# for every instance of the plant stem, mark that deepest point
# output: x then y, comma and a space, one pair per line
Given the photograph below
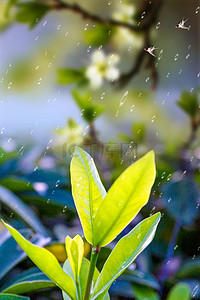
93, 261
78, 290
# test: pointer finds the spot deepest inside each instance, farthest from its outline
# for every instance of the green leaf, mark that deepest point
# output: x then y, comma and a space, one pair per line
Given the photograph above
180, 291
70, 76
125, 252
83, 276
21, 209
46, 262
97, 36
90, 110
129, 193
142, 292
31, 13
87, 190
190, 269
28, 281
11, 254
9, 6
75, 251
12, 297
16, 184
139, 132
181, 199
189, 103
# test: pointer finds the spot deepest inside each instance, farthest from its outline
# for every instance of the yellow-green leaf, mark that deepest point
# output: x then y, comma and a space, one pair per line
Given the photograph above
125, 252
129, 193
87, 190
46, 262
75, 250
180, 291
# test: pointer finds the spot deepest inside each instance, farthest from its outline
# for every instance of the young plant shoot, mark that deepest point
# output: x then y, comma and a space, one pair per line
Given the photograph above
103, 216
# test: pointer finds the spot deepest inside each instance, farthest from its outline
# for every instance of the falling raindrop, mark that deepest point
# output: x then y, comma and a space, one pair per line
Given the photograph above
147, 79
187, 56
9, 85
39, 81
21, 150
163, 175
132, 107
176, 56
82, 112
86, 27
89, 49
143, 15
160, 54
2, 130
198, 75
153, 119
57, 183
197, 10
195, 290
64, 209
169, 177
36, 38
58, 27
157, 25
103, 95
167, 75
49, 144
117, 113
37, 68
180, 71
124, 98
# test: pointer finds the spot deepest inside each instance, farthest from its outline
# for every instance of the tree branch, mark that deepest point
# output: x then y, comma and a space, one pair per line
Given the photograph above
75, 8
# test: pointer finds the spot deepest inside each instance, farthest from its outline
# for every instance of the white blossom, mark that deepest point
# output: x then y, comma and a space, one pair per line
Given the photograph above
102, 67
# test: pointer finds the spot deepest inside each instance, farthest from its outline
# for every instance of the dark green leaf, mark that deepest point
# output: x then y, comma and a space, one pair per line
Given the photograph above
189, 103
190, 269
12, 297
142, 292
28, 281
90, 110
181, 199
98, 35
70, 76
11, 254
31, 13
